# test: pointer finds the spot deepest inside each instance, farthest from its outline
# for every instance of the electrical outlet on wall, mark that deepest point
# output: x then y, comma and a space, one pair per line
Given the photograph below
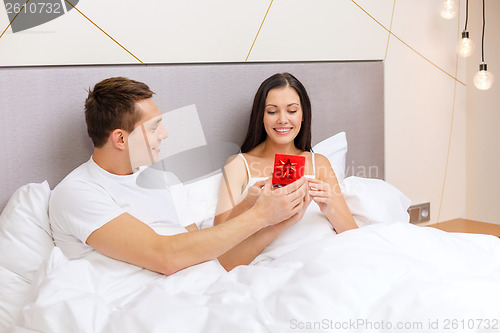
420, 213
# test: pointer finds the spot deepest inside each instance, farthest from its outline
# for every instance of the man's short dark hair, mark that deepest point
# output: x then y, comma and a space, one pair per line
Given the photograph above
112, 105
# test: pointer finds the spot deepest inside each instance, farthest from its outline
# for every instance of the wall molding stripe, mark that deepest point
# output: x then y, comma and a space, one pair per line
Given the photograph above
114, 40
407, 45
390, 28
10, 23
451, 125
257, 35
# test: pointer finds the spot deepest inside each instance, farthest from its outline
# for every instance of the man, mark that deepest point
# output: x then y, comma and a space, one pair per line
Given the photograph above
99, 205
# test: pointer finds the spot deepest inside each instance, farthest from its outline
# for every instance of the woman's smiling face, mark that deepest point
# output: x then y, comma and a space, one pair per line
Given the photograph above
282, 115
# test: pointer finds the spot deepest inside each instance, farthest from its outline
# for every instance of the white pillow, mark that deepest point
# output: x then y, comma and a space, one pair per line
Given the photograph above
25, 242
202, 198
334, 149
375, 201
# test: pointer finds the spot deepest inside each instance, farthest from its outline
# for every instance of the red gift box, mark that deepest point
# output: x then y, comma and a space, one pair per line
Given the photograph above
287, 169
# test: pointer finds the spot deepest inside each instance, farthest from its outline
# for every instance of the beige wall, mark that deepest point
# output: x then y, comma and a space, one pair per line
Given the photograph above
483, 119
420, 96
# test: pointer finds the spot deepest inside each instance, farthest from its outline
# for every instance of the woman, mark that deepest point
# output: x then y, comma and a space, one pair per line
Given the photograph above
280, 123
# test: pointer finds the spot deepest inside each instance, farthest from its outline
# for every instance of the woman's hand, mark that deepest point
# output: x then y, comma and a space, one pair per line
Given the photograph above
323, 194
331, 202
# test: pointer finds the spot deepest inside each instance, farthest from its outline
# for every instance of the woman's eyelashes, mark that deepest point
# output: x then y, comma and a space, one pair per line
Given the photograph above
274, 112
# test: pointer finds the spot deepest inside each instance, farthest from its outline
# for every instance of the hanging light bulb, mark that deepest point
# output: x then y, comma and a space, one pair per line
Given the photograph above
448, 9
483, 80
465, 46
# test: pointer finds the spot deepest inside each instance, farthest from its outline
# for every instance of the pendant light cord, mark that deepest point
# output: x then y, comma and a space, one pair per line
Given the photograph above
482, 38
466, 13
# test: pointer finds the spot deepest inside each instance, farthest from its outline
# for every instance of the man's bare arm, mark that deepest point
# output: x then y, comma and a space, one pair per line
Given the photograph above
127, 239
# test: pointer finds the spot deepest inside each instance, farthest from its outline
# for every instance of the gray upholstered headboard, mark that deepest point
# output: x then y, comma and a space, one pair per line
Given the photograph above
43, 134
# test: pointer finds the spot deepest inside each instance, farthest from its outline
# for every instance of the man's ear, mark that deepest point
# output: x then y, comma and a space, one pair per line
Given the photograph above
118, 138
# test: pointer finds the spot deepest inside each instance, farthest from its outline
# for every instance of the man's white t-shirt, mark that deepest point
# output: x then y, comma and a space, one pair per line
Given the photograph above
89, 197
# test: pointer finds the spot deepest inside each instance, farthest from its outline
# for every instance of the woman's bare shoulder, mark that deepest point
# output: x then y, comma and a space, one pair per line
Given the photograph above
234, 161
235, 174
324, 170
321, 159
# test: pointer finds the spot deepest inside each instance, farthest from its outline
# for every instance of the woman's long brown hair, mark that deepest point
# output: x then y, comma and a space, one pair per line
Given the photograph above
256, 133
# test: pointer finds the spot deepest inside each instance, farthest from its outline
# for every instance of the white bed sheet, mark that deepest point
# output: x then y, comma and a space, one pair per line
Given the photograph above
370, 279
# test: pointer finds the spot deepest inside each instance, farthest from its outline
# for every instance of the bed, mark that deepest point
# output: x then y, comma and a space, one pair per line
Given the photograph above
388, 275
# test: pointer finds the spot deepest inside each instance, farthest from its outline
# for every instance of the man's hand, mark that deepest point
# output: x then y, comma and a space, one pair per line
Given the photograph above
295, 218
282, 203
253, 194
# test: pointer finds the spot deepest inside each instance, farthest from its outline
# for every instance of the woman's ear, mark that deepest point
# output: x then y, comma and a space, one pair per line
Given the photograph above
118, 138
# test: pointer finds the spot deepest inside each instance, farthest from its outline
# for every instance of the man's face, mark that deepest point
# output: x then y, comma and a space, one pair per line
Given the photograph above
144, 141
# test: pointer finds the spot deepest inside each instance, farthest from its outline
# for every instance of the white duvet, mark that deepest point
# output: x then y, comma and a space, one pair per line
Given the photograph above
384, 277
